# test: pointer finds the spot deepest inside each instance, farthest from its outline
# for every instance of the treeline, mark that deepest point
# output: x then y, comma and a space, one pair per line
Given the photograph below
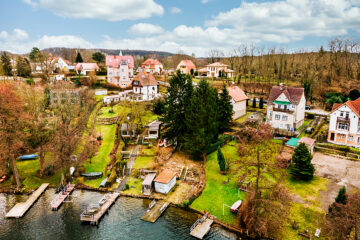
194, 117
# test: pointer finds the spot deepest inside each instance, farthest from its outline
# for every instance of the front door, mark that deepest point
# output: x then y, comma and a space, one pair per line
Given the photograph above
332, 136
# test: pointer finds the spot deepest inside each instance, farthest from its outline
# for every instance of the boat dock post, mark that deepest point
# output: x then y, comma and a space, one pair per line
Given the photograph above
95, 217
201, 227
20, 209
155, 212
61, 197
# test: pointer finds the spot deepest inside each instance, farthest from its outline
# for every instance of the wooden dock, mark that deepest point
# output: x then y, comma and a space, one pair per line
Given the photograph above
155, 212
201, 227
61, 197
94, 212
20, 209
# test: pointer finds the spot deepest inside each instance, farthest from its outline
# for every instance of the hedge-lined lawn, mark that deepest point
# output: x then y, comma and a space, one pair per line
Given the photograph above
29, 173
104, 112
218, 191
99, 162
134, 186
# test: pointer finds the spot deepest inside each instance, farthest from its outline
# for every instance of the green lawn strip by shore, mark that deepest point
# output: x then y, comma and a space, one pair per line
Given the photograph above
217, 192
143, 161
134, 186
99, 162
243, 118
29, 173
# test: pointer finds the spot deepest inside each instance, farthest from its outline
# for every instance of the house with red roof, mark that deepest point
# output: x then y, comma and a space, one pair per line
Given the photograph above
286, 107
185, 66
152, 66
85, 68
238, 100
145, 87
344, 126
120, 70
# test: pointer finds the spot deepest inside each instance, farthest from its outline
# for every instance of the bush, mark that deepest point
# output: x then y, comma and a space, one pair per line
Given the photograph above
49, 171
127, 187
310, 116
30, 81
112, 177
99, 138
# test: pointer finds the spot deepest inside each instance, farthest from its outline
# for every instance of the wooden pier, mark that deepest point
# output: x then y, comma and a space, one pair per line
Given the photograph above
20, 209
94, 212
201, 227
155, 212
62, 196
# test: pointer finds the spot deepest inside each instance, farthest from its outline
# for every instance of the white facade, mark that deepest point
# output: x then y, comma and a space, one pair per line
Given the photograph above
239, 108
101, 92
286, 116
146, 93
164, 188
61, 64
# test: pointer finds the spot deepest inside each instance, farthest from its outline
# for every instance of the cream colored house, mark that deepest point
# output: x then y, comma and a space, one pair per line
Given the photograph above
286, 108
213, 70
238, 100
344, 126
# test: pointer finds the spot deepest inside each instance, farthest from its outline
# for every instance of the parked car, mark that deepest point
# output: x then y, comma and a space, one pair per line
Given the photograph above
307, 107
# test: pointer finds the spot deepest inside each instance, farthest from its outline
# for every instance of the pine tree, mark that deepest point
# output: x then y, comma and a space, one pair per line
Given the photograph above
221, 159
179, 95
23, 67
34, 54
225, 110
261, 104
6, 64
78, 58
254, 103
201, 120
341, 197
302, 166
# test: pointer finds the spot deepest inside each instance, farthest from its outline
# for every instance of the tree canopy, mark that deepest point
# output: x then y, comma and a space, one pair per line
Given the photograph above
99, 57
78, 58
301, 166
6, 64
225, 110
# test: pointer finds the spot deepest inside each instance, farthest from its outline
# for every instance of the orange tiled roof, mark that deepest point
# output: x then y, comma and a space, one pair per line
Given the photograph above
237, 93
353, 105
165, 176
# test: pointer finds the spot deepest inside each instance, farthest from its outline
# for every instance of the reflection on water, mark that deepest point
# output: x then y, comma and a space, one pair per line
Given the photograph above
121, 222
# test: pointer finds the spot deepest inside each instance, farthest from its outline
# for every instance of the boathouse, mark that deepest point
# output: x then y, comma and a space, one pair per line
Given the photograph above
147, 185
165, 181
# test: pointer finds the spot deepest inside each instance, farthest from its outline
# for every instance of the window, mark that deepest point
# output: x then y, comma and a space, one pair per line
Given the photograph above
358, 140
122, 70
342, 136
277, 117
342, 126
359, 128
270, 114
351, 138
124, 78
347, 114
341, 114
281, 125
284, 118
293, 106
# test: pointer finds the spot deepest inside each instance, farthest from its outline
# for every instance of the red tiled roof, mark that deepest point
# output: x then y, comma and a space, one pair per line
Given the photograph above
165, 176
145, 79
307, 141
293, 94
111, 60
353, 105
237, 93
187, 63
151, 62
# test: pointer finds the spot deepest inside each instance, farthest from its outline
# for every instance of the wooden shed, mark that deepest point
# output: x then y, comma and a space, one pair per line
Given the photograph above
147, 185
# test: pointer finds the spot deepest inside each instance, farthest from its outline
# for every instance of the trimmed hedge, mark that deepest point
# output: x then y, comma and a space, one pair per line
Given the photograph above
222, 140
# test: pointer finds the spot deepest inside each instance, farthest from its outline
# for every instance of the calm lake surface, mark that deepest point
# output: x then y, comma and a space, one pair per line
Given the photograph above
121, 222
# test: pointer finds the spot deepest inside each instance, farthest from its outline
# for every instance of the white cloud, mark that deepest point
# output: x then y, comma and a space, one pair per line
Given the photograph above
204, 1
101, 9
175, 10
145, 29
289, 20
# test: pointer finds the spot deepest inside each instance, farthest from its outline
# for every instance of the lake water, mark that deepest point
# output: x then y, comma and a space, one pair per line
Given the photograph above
121, 222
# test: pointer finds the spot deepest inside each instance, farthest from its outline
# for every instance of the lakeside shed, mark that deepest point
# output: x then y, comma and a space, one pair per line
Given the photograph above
154, 129
165, 181
147, 185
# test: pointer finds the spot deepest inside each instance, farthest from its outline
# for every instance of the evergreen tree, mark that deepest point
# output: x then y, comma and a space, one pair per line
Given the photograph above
179, 95
23, 67
261, 104
302, 166
159, 107
354, 94
46, 97
78, 58
341, 197
6, 64
221, 159
34, 54
99, 57
201, 120
225, 110
254, 103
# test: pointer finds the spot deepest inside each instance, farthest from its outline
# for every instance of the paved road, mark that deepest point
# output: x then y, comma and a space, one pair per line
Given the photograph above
318, 112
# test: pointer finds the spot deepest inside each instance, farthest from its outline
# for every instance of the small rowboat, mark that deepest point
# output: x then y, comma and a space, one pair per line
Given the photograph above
28, 157
92, 175
235, 207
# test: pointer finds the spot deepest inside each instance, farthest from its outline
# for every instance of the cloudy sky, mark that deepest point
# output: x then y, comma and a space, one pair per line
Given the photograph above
190, 26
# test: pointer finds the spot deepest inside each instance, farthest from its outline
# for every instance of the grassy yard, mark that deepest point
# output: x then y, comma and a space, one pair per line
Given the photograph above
104, 112
29, 173
144, 161
220, 189
306, 210
134, 186
243, 118
99, 162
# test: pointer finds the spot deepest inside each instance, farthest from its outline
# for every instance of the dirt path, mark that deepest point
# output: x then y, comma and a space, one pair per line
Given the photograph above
340, 172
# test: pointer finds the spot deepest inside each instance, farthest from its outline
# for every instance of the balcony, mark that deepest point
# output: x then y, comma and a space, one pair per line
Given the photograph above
275, 109
343, 119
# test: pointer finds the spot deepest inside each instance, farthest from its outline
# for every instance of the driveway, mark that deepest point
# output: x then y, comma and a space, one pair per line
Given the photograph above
318, 112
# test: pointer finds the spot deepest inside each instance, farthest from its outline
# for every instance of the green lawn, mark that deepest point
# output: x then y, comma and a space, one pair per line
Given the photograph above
134, 186
29, 173
243, 118
143, 161
92, 115
149, 117
99, 162
218, 190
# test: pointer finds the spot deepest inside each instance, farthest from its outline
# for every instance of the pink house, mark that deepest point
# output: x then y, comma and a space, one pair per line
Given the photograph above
120, 70
84, 68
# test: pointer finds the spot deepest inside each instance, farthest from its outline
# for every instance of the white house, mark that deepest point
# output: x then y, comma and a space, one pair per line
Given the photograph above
286, 107
165, 181
344, 126
60, 63
214, 69
100, 92
145, 87
238, 100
